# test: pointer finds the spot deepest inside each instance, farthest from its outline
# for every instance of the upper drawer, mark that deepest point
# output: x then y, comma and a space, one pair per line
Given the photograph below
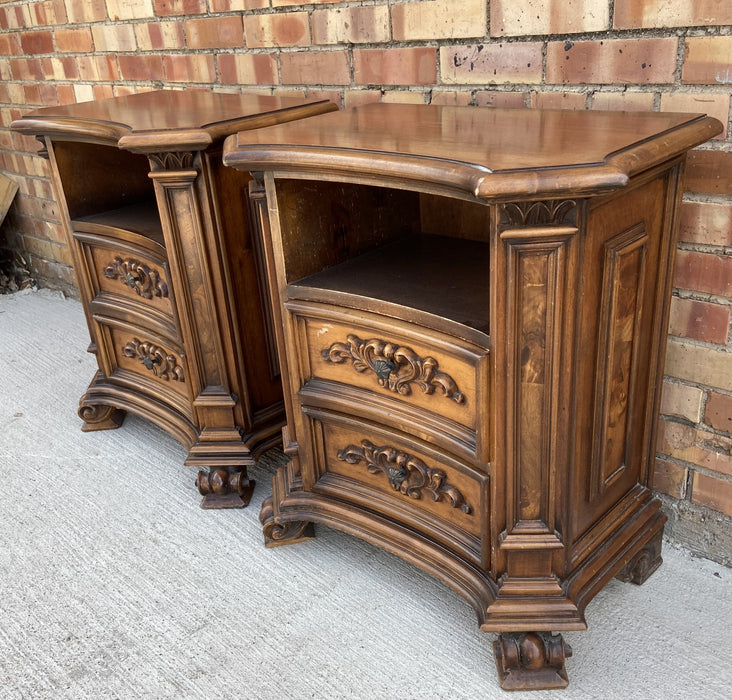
418, 368
127, 266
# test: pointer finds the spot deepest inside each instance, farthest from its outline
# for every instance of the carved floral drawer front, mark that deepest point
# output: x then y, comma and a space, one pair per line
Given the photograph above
159, 366
402, 479
436, 375
134, 274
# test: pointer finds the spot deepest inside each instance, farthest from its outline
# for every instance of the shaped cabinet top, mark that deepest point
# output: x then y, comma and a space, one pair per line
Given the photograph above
475, 151
165, 119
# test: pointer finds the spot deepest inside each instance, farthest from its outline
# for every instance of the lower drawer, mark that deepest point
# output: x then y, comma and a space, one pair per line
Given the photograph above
401, 478
144, 362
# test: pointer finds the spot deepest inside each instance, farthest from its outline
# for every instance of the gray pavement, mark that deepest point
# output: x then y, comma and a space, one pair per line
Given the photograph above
115, 584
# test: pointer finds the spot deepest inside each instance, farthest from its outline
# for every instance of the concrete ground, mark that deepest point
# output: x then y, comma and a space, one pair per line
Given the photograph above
115, 584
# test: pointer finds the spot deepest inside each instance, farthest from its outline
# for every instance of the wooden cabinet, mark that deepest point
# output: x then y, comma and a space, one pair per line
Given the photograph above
471, 310
170, 276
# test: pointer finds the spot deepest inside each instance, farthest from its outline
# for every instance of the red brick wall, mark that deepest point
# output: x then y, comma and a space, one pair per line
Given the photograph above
586, 54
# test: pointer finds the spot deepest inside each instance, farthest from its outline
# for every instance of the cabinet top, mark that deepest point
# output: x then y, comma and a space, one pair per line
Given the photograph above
162, 120
475, 151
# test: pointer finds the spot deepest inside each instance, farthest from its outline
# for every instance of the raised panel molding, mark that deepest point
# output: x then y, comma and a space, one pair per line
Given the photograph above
623, 275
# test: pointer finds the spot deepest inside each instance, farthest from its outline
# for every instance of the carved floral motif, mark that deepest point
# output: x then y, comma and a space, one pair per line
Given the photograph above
155, 359
541, 213
172, 160
137, 276
396, 367
406, 473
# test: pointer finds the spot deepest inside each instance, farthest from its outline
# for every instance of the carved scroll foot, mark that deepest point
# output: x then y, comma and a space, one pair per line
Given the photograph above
224, 487
278, 532
100, 417
644, 563
531, 660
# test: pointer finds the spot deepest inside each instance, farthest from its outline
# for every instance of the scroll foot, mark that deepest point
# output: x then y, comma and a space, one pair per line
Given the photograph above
224, 487
278, 532
531, 660
644, 563
100, 417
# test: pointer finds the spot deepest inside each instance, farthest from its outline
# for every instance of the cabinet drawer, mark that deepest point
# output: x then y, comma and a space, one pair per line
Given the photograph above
144, 361
129, 268
419, 368
402, 479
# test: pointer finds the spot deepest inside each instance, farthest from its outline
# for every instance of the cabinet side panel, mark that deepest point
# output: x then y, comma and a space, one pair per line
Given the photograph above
619, 328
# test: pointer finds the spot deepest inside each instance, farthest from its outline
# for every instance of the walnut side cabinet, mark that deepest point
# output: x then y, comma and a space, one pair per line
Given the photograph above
169, 275
472, 307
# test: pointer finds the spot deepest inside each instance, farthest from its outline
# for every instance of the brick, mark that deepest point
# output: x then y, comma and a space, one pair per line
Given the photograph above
709, 172
491, 63
315, 67
114, 37
558, 100
699, 365
214, 33
404, 97
290, 29
636, 14
154, 36
439, 19
238, 5
103, 92
83, 92
450, 97
49, 13
623, 101
143, 68
248, 69
699, 320
290, 3
60, 68
718, 412
705, 449
36, 42
66, 94
74, 40
707, 60
704, 272
351, 25
26, 69
510, 18
706, 223
354, 98
681, 401
14, 18
713, 493
167, 8
670, 478
496, 98
80, 11
98, 67
413, 66
9, 45
613, 61
129, 9
333, 96
193, 68
289, 92
711, 103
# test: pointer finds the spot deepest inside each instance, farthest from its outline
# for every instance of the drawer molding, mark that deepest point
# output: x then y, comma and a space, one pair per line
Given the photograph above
145, 281
406, 473
396, 366
162, 364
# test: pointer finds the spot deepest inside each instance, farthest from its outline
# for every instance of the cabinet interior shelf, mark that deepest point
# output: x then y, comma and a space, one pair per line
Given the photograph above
444, 281
141, 218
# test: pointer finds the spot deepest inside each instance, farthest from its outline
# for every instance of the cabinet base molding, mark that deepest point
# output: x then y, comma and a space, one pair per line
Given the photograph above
531, 660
